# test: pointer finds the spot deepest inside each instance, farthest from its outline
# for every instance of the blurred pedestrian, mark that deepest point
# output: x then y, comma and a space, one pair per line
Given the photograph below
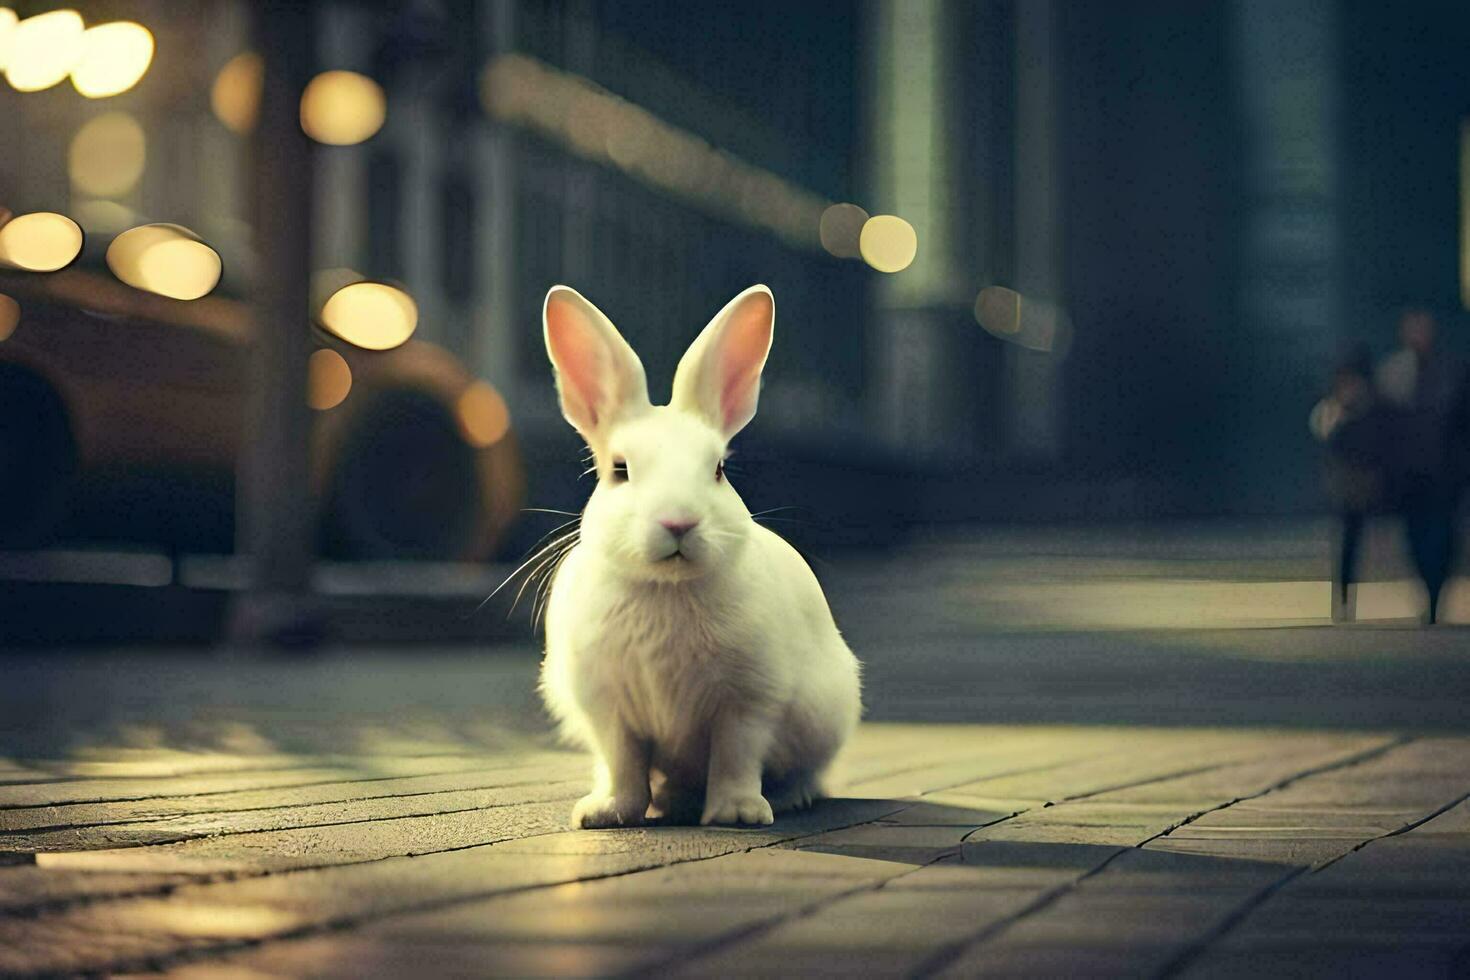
1355, 429
1425, 385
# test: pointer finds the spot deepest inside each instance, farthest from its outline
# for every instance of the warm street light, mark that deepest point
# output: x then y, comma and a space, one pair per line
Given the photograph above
166, 259
235, 97
9, 316
40, 242
342, 108
107, 155
114, 58
888, 243
484, 418
371, 315
44, 49
328, 379
8, 20
840, 228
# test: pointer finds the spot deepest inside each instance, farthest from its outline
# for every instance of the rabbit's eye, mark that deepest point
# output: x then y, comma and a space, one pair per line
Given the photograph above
719, 471
620, 471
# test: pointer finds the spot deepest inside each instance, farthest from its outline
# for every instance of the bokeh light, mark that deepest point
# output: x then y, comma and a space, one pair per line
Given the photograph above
44, 49
341, 108
107, 155
484, 418
328, 379
1036, 324
114, 58
888, 243
841, 228
235, 97
371, 315
9, 316
8, 20
998, 310
169, 260
326, 282
40, 242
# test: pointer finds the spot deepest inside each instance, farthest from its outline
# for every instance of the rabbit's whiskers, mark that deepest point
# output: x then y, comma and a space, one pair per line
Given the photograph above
543, 590
540, 549
554, 553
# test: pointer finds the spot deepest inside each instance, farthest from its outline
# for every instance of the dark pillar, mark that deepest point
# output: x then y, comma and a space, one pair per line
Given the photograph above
273, 497
1287, 87
1033, 389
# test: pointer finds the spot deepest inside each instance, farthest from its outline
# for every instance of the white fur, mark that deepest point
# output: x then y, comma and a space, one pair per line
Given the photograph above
708, 671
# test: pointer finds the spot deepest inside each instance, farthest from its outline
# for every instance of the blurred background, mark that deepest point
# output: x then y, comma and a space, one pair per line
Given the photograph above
1058, 284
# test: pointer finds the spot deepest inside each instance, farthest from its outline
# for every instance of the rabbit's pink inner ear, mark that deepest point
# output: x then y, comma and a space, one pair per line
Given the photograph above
739, 356
578, 354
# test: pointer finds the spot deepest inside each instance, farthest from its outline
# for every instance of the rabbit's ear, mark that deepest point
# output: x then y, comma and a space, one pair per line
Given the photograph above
719, 377
597, 374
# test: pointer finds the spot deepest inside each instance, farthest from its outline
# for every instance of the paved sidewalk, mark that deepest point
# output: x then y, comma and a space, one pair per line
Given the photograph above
956, 851
1069, 798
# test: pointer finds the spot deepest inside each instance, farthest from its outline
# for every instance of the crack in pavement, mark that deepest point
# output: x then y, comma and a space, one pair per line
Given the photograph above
183, 817
102, 801
950, 953
754, 930
161, 962
1195, 950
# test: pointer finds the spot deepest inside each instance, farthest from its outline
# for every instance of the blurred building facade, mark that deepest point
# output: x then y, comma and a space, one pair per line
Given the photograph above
1210, 200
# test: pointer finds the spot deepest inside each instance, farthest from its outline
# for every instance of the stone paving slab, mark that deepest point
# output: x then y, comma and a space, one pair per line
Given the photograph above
360, 958
1033, 868
957, 851
1329, 960
339, 786
286, 817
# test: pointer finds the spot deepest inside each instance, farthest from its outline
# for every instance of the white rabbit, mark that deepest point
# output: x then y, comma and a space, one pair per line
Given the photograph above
688, 647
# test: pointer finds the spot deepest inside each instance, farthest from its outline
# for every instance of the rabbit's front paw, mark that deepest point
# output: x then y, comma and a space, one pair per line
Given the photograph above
737, 808
594, 812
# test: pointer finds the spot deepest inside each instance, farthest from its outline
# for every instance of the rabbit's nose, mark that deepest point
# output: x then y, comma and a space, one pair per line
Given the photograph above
677, 528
